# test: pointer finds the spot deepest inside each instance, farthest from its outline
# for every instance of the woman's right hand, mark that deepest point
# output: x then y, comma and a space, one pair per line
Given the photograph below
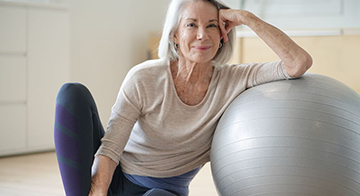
102, 172
96, 191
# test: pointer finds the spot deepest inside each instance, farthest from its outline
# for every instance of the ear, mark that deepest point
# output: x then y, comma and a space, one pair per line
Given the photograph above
175, 38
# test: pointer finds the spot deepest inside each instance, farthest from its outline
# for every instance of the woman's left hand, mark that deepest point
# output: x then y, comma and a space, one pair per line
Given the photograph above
296, 59
230, 18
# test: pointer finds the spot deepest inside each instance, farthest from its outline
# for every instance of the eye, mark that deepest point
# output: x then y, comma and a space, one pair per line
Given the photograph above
212, 25
190, 25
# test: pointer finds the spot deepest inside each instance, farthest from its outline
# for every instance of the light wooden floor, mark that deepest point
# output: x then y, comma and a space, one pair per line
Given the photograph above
38, 175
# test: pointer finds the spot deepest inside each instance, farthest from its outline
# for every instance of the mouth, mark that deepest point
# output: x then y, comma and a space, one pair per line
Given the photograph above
202, 48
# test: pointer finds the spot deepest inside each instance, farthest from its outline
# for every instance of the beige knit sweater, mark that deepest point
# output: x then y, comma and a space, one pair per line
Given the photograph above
153, 133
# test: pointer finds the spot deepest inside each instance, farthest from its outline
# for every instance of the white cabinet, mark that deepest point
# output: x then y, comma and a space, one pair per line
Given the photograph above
13, 29
13, 127
34, 63
12, 79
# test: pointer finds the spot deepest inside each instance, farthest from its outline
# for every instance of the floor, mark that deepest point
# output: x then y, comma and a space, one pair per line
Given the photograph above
38, 175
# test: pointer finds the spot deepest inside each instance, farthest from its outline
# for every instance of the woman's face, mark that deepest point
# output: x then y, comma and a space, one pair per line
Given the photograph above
198, 34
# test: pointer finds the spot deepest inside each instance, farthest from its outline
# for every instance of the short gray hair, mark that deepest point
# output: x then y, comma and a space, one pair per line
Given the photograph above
167, 49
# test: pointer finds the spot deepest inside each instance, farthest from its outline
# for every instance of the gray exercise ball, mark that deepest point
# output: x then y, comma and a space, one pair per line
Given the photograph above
290, 137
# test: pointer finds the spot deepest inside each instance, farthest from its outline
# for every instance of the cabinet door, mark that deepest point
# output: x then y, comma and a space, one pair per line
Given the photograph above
12, 79
13, 29
48, 62
12, 127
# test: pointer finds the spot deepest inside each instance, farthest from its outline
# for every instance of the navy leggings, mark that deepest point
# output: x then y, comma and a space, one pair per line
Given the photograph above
77, 135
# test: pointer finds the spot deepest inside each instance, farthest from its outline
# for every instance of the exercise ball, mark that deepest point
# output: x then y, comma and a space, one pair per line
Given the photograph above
290, 137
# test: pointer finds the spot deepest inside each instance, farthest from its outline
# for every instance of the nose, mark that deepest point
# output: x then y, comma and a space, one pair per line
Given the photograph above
201, 34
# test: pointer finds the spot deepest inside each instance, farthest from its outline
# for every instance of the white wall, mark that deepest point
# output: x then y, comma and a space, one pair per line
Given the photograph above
107, 39
304, 14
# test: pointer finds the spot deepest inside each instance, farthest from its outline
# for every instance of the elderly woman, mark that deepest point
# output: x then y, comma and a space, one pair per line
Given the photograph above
161, 126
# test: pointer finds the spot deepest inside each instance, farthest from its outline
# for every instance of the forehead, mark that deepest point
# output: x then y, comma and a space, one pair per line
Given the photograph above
200, 10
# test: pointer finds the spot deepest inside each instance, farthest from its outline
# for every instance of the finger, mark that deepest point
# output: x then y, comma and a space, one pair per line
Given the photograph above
223, 30
228, 27
222, 26
224, 33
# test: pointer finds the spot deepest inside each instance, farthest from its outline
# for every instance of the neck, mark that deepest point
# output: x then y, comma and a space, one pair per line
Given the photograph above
192, 72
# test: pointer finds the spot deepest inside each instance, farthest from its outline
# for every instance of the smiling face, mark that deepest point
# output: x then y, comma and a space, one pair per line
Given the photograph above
198, 34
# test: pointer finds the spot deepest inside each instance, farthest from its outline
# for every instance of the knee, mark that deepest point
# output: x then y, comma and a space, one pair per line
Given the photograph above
73, 88
73, 92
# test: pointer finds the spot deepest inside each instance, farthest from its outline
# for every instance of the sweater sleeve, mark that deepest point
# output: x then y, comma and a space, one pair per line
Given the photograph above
124, 114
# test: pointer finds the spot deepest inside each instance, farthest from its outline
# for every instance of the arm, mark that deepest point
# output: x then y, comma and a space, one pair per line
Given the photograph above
102, 172
297, 61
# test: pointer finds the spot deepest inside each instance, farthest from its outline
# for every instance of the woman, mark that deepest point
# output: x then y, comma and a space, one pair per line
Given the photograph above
161, 126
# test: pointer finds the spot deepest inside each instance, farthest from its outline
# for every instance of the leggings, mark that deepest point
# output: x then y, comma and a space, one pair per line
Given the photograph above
77, 136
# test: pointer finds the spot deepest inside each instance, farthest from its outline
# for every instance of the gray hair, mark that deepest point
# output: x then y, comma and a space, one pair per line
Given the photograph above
167, 48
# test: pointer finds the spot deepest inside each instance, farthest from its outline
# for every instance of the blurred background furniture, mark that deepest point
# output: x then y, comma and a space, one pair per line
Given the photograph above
34, 62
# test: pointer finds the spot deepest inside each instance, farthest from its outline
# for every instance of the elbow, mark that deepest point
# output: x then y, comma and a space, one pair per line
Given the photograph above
308, 62
300, 66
